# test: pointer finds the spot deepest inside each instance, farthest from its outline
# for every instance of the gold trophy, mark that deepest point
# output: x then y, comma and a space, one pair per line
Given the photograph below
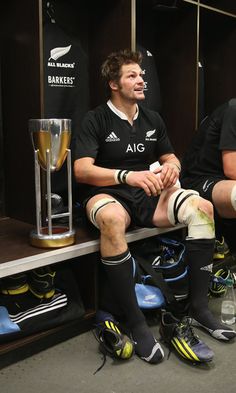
51, 141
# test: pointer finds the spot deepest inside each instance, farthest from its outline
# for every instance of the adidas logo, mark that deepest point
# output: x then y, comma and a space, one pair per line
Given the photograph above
112, 138
208, 268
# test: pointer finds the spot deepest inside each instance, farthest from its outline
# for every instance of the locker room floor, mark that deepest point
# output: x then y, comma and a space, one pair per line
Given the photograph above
69, 367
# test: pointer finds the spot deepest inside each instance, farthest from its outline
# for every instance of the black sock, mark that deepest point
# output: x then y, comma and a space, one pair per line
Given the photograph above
119, 270
146, 346
199, 254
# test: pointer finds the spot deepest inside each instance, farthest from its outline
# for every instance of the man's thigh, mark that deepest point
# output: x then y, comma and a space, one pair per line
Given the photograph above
224, 198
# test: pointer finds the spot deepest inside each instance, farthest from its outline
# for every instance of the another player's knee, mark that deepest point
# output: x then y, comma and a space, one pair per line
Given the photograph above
187, 207
233, 197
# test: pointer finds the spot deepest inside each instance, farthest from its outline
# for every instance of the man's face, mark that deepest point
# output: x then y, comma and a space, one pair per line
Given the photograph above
131, 84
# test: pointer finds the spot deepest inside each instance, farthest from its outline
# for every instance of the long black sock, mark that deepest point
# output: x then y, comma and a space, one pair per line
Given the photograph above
199, 255
119, 270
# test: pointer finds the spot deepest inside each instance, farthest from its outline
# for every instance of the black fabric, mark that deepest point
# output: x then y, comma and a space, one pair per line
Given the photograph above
202, 165
216, 133
139, 206
121, 282
1, 156
199, 256
33, 315
114, 143
150, 76
66, 85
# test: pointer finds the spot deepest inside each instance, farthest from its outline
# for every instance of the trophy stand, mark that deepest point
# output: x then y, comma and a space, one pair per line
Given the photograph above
51, 139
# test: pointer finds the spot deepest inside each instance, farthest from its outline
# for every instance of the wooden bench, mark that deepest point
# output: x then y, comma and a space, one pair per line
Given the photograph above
17, 255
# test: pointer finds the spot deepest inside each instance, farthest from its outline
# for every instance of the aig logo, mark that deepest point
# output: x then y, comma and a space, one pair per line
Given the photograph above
135, 148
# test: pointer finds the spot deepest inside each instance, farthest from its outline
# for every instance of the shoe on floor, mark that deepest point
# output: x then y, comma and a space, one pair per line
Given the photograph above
14, 285
221, 249
112, 341
222, 332
179, 335
218, 282
41, 282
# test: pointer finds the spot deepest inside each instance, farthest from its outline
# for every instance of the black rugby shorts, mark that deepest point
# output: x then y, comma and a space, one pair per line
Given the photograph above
203, 184
139, 206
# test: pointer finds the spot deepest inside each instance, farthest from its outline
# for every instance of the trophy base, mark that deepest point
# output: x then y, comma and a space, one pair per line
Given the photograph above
60, 237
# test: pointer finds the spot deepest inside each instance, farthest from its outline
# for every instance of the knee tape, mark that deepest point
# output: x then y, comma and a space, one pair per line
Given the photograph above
98, 206
233, 197
182, 209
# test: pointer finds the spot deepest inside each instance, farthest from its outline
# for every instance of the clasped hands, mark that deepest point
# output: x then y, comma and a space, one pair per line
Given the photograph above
156, 180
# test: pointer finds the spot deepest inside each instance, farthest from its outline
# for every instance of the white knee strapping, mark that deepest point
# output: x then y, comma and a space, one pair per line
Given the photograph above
233, 197
183, 209
98, 206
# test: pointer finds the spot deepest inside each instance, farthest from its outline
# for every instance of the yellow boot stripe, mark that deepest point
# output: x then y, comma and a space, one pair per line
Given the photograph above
181, 348
177, 349
190, 351
111, 325
107, 324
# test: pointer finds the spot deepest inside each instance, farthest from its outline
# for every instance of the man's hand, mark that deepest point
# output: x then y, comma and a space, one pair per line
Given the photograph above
169, 174
147, 180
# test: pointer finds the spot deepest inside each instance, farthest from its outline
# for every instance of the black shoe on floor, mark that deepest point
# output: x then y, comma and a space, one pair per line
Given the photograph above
179, 335
110, 337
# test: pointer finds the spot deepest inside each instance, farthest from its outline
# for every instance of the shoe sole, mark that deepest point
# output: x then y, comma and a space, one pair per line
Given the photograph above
15, 291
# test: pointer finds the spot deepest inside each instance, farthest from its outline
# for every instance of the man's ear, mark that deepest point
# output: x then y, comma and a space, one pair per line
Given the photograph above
113, 85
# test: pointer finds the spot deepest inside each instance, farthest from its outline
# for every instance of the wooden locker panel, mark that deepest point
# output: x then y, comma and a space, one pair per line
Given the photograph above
109, 30
217, 48
171, 37
21, 101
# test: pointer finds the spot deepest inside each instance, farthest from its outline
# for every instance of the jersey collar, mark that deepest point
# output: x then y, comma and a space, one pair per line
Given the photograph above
119, 113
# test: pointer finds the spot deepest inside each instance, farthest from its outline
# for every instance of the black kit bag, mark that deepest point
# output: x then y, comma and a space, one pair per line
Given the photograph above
159, 263
25, 314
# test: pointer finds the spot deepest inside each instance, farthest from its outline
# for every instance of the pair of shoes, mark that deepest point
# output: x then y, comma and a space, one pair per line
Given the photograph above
39, 281
179, 335
218, 282
221, 249
221, 332
112, 341
14, 285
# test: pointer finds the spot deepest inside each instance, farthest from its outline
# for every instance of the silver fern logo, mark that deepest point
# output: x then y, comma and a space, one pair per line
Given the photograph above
150, 135
56, 53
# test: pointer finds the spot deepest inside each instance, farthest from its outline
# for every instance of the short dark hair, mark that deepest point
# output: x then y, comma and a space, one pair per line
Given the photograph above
112, 65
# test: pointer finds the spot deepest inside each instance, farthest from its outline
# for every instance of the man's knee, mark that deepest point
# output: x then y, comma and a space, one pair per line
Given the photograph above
187, 207
107, 212
111, 220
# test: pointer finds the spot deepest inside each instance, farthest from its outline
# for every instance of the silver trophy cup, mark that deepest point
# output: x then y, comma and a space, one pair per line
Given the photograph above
51, 141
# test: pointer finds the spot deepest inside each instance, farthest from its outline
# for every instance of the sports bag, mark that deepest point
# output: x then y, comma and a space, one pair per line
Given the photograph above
160, 271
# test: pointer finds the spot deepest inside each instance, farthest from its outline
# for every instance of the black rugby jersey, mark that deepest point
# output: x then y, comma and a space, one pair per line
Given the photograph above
217, 133
116, 144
